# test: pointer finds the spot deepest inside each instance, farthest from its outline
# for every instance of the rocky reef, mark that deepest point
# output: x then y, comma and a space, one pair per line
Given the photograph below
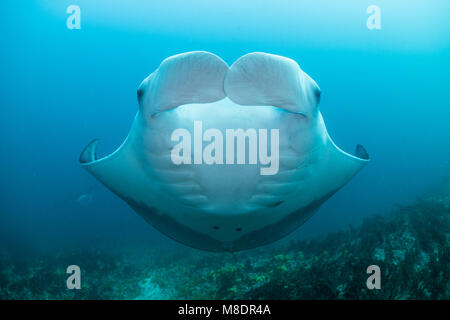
410, 245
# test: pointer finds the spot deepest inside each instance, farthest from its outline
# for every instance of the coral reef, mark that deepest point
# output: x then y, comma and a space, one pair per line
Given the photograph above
410, 245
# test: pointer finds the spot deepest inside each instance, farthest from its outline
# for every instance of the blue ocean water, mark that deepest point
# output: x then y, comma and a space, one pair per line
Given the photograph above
387, 89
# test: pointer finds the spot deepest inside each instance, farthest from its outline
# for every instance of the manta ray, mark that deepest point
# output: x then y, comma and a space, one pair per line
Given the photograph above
226, 206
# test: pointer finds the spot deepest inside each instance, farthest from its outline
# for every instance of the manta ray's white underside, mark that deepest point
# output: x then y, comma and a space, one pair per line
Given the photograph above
226, 207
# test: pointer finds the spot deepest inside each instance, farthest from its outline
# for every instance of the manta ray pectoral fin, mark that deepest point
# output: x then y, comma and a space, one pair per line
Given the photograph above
89, 153
361, 152
121, 171
192, 77
263, 79
341, 166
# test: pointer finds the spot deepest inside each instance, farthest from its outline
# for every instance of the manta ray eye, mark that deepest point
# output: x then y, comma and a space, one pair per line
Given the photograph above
317, 94
140, 93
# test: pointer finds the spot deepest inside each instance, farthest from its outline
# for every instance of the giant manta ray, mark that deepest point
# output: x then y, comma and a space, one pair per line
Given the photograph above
223, 207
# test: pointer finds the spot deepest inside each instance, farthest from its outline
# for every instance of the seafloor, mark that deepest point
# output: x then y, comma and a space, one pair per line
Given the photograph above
410, 245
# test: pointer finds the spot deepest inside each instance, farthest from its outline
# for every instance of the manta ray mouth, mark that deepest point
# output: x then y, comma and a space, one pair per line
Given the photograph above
182, 167
202, 77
